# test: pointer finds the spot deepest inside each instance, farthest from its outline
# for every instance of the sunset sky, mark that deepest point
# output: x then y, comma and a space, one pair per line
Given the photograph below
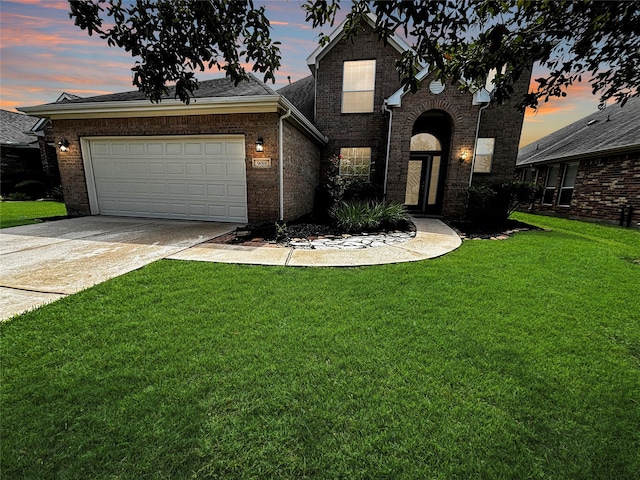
42, 54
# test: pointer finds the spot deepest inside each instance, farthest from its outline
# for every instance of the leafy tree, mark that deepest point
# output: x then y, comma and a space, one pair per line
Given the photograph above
464, 40
461, 40
175, 38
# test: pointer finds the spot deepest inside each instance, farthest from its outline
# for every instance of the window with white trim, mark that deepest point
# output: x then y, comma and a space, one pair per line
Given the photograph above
358, 84
484, 155
355, 162
550, 184
568, 182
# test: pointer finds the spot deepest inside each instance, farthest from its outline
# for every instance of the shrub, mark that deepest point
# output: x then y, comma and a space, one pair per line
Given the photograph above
57, 194
32, 188
338, 188
360, 215
18, 196
493, 204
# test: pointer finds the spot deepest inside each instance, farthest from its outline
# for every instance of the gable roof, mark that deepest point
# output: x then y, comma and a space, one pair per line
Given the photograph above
337, 34
218, 96
13, 127
614, 129
302, 95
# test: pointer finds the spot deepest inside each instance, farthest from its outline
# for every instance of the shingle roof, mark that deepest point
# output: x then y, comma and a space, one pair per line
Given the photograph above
302, 95
12, 128
218, 87
611, 129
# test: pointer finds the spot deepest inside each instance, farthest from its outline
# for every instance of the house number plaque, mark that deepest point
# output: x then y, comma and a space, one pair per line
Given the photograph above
261, 162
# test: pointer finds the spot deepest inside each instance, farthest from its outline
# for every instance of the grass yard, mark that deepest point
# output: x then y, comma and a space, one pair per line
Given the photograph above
502, 360
13, 214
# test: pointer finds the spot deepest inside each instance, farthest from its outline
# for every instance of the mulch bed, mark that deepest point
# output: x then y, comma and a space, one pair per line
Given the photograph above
265, 234
471, 231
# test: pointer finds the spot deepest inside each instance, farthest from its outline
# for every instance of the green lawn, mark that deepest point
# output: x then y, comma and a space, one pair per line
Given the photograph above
13, 214
502, 360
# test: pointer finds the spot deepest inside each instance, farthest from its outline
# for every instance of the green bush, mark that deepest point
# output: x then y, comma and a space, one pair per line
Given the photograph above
360, 215
32, 188
18, 196
492, 204
338, 188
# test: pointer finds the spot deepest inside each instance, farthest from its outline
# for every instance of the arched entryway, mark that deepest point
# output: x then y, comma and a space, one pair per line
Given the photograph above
428, 160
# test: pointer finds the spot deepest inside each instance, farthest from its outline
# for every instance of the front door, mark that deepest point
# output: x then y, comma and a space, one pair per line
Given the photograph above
423, 183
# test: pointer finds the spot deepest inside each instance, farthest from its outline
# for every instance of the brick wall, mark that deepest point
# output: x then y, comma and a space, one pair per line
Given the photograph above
301, 164
371, 129
462, 118
603, 187
356, 129
262, 184
48, 155
504, 123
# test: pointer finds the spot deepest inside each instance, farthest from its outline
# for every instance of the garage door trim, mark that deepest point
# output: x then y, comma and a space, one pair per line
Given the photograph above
85, 145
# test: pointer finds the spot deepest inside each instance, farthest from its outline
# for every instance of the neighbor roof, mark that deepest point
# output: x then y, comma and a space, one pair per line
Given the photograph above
614, 129
13, 127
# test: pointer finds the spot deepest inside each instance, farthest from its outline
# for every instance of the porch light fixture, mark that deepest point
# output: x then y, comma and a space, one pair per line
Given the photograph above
260, 145
64, 145
463, 157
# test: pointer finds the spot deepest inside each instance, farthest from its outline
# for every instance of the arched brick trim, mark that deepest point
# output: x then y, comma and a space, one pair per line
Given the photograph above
412, 115
463, 116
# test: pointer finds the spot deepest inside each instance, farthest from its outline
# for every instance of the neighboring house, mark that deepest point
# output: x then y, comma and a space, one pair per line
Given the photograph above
590, 169
19, 151
246, 153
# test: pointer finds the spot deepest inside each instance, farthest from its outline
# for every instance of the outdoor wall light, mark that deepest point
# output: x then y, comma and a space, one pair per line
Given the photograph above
463, 157
64, 145
260, 145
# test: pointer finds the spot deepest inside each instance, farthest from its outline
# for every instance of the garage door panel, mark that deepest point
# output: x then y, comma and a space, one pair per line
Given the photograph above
234, 148
235, 191
214, 148
194, 169
155, 149
171, 177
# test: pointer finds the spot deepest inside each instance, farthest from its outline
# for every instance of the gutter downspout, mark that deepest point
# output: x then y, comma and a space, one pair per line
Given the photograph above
475, 143
386, 164
281, 161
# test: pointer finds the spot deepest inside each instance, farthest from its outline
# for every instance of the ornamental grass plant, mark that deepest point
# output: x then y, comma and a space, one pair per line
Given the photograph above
361, 215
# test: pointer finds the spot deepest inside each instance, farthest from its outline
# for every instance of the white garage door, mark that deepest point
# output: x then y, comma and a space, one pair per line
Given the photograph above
200, 178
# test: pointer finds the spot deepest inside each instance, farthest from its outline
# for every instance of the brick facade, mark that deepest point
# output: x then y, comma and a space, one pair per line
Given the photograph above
462, 118
450, 115
262, 184
504, 123
356, 129
301, 172
604, 187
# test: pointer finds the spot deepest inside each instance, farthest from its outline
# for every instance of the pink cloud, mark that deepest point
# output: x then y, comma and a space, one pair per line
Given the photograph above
53, 4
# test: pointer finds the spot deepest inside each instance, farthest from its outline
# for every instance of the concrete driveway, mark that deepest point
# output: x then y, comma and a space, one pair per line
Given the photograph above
44, 262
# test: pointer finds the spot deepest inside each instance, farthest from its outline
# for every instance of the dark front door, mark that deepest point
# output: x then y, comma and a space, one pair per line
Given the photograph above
423, 183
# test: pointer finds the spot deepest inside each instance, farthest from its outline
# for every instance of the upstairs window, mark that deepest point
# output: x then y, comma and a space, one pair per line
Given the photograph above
568, 182
355, 162
550, 184
484, 155
358, 84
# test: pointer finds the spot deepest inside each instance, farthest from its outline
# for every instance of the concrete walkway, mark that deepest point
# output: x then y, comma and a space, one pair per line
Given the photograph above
47, 261
433, 239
